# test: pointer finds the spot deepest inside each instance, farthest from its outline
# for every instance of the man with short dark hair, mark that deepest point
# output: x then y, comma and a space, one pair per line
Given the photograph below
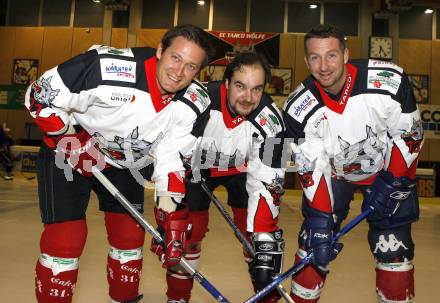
133, 113
355, 126
241, 150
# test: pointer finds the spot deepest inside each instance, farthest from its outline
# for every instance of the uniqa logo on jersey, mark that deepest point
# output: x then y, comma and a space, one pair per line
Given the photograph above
121, 97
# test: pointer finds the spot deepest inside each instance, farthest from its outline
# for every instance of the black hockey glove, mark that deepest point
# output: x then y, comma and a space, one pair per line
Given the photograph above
394, 200
318, 230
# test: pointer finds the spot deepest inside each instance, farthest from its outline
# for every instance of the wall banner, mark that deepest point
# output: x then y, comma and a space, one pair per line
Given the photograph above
12, 96
227, 44
430, 115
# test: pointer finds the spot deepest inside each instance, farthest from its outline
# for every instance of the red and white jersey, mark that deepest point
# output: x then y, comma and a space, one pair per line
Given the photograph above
252, 144
113, 94
373, 124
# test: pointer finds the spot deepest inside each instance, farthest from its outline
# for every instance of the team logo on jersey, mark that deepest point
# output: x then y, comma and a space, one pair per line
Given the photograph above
305, 170
302, 106
115, 51
42, 94
129, 152
390, 245
361, 158
219, 159
198, 96
268, 121
384, 80
384, 64
414, 137
276, 189
118, 70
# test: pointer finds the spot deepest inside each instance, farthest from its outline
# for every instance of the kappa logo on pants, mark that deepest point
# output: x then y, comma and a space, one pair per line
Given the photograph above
391, 245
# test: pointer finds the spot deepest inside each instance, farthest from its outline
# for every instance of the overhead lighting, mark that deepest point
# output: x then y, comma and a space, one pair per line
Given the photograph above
201, 2
96, 1
313, 6
428, 11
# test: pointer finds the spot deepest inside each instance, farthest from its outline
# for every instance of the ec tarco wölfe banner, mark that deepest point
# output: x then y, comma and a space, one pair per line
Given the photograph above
228, 43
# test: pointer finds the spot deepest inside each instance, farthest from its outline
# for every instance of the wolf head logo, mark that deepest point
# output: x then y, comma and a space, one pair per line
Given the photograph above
305, 169
129, 152
414, 137
42, 95
43, 92
360, 158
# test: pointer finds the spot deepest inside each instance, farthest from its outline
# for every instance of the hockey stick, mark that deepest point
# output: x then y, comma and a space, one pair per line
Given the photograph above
306, 260
240, 235
152, 231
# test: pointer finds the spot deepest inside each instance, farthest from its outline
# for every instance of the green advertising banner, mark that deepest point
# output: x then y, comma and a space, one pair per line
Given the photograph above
12, 96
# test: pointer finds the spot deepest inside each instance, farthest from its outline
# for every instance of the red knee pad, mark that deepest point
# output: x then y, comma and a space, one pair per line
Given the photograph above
199, 221
123, 231
65, 240
395, 282
59, 240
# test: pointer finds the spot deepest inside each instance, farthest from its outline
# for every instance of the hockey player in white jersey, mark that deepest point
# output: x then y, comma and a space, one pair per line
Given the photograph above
133, 113
355, 125
241, 150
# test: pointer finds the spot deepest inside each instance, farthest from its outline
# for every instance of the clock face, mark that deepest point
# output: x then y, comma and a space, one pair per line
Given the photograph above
381, 48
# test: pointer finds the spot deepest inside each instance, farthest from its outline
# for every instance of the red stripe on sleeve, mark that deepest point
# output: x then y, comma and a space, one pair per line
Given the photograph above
398, 166
52, 123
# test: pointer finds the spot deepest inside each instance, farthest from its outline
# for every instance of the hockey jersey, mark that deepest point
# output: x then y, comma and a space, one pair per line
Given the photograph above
373, 124
252, 144
113, 94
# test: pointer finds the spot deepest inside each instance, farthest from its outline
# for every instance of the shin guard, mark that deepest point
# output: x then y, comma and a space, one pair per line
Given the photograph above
308, 283
124, 273
124, 262
55, 279
56, 271
395, 282
179, 282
